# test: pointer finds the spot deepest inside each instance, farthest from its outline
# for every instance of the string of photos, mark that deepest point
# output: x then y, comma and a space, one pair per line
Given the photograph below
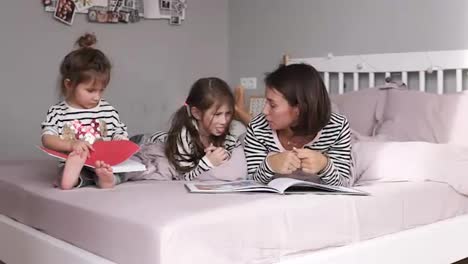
117, 11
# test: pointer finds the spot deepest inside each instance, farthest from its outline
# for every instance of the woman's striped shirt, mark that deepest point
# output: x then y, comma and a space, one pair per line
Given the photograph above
334, 141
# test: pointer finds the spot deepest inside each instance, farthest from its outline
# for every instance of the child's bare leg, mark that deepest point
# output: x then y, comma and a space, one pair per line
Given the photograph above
239, 92
72, 170
241, 112
106, 178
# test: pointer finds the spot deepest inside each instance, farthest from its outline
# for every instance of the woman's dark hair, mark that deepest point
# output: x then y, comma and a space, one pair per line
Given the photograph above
302, 86
84, 64
204, 93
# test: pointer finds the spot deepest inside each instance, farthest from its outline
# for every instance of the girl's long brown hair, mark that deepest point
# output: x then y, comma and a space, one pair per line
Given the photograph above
204, 93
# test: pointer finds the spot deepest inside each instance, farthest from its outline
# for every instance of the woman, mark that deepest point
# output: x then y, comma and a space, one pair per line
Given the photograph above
297, 135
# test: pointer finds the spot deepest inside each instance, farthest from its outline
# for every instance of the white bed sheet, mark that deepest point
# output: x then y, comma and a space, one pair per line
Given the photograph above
160, 222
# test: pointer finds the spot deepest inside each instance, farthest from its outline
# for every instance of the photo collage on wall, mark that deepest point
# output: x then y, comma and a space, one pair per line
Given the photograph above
173, 9
117, 11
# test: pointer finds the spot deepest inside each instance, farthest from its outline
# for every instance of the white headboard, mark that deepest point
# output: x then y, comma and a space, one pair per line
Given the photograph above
423, 63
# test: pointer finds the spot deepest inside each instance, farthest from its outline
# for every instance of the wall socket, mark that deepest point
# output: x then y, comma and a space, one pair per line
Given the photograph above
249, 83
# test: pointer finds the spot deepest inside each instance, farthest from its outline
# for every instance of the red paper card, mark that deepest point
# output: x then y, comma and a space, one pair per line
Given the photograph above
111, 152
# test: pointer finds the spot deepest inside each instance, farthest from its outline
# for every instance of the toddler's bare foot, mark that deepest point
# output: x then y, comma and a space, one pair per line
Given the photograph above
72, 169
105, 175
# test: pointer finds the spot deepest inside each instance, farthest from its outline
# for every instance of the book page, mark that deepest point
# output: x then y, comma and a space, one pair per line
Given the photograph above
129, 165
283, 184
111, 152
114, 153
223, 187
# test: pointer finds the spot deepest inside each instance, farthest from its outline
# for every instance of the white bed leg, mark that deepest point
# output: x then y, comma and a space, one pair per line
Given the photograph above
20, 244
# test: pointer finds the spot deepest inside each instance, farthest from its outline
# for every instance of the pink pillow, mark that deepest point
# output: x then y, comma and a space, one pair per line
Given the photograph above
364, 108
422, 161
419, 116
360, 108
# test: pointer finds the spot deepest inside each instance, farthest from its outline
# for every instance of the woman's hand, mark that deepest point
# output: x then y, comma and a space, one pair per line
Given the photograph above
216, 155
284, 163
311, 161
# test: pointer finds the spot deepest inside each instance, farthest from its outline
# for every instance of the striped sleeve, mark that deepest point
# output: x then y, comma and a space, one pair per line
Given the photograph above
184, 157
120, 129
338, 168
205, 165
50, 126
256, 156
231, 142
159, 136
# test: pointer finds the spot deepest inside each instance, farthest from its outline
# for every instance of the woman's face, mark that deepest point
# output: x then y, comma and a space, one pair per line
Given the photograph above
279, 114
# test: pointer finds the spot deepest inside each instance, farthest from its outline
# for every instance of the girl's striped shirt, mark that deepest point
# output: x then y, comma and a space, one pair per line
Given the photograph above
185, 149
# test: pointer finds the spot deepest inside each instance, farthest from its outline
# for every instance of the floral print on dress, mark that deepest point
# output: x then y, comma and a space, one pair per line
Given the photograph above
76, 130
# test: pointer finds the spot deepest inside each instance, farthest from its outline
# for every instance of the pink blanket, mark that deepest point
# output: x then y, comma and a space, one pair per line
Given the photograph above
158, 166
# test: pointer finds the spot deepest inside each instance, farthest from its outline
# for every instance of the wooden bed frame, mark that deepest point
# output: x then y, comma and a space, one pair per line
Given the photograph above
442, 242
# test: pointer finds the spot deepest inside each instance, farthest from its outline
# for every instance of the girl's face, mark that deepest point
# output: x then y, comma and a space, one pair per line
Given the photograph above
86, 94
279, 114
215, 121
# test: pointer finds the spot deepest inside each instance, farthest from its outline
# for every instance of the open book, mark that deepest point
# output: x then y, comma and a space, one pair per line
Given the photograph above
278, 185
115, 153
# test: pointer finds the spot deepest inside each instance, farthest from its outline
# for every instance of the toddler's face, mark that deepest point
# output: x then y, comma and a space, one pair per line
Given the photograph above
87, 94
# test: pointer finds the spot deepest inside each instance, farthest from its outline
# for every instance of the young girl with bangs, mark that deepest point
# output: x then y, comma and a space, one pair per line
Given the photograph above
199, 145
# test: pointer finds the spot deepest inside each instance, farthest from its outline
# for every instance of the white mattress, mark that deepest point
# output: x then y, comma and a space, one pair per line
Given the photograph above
160, 222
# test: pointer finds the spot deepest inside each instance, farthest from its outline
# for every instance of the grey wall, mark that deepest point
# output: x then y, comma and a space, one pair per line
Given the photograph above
261, 31
154, 66
154, 63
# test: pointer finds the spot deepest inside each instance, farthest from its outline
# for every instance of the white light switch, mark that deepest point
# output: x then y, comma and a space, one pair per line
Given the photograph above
249, 83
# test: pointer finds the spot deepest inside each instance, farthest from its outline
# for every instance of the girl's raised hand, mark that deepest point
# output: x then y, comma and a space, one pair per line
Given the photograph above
210, 148
217, 155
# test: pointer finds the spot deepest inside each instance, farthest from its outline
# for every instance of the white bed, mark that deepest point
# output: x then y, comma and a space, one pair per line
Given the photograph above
160, 222
432, 235
23, 244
